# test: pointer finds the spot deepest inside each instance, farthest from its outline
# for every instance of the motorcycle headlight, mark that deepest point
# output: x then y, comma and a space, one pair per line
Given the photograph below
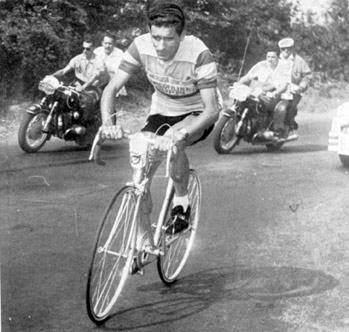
72, 101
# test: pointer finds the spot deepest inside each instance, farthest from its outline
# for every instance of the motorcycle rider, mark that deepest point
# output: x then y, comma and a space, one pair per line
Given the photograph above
111, 55
273, 82
90, 78
299, 77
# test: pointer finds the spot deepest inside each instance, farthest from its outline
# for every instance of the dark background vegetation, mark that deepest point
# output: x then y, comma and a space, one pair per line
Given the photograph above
39, 36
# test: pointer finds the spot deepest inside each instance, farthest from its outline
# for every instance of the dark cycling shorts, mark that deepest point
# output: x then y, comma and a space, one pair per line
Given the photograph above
159, 124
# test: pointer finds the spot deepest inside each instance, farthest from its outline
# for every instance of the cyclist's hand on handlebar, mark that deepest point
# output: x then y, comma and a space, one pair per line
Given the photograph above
162, 143
114, 132
106, 132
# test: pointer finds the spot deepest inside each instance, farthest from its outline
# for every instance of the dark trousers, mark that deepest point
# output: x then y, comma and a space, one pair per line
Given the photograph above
292, 112
279, 115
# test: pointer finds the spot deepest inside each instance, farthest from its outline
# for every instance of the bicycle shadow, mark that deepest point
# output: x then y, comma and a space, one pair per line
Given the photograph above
197, 292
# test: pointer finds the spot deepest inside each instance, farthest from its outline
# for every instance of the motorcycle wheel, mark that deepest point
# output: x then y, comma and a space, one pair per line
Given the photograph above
344, 160
30, 136
224, 137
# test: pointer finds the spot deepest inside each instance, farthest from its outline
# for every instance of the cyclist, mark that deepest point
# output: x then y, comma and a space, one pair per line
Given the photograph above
184, 76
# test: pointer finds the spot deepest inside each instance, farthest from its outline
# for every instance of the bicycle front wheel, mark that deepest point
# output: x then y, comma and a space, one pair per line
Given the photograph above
177, 247
112, 255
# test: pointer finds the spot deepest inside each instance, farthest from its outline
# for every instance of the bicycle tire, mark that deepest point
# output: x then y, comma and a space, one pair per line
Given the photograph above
112, 255
177, 247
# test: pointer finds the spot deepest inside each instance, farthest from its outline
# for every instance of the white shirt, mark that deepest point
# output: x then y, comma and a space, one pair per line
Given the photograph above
112, 62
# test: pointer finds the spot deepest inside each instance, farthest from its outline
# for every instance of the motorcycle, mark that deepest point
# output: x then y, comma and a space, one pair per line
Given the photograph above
63, 112
249, 119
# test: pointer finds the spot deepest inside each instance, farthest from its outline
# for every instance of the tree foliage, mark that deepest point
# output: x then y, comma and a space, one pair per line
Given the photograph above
40, 36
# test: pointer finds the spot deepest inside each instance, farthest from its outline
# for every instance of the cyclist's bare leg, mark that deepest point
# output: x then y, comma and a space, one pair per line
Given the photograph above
179, 170
146, 203
179, 163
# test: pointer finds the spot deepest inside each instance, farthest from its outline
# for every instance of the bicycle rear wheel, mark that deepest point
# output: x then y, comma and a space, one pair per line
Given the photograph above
177, 247
112, 255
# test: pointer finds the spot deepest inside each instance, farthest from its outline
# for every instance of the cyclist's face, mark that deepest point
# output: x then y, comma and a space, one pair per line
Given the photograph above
108, 44
165, 41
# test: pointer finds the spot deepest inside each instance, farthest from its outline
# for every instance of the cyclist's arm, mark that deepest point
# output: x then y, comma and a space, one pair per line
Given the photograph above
108, 100
209, 115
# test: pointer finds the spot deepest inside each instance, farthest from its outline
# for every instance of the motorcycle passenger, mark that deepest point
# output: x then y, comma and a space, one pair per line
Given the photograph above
267, 76
184, 76
90, 78
111, 56
299, 77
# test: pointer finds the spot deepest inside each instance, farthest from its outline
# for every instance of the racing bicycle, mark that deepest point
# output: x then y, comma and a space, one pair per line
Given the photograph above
121, 249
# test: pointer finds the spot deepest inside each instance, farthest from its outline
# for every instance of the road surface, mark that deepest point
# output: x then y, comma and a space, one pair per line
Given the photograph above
271, 253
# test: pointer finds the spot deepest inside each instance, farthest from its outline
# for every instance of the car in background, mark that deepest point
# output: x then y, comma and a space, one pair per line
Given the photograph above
338, 137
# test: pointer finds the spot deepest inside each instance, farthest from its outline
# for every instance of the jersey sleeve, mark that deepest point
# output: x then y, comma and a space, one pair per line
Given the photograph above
131, 61
206, 70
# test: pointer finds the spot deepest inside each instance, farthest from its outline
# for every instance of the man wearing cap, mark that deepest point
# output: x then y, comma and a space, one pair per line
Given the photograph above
299, 75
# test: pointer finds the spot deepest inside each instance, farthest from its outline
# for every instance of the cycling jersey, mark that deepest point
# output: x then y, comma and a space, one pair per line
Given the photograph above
177, 82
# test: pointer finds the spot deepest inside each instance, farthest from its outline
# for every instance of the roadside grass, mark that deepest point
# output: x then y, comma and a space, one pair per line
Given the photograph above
323, 98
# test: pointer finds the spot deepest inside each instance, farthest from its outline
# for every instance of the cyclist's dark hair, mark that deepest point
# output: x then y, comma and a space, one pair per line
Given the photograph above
166, 14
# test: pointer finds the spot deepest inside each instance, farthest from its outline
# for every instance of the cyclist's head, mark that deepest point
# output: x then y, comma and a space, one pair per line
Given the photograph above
166, 14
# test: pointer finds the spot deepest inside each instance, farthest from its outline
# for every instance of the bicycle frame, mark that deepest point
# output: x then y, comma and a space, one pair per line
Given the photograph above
142, 168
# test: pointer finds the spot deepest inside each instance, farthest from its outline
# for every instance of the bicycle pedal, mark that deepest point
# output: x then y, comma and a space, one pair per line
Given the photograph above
134, 267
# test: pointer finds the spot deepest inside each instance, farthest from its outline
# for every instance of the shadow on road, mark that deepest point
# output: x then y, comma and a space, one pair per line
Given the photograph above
63, 156
289, 149
197, 292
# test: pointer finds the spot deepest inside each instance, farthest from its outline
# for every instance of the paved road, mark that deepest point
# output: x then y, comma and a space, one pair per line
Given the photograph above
271, 253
